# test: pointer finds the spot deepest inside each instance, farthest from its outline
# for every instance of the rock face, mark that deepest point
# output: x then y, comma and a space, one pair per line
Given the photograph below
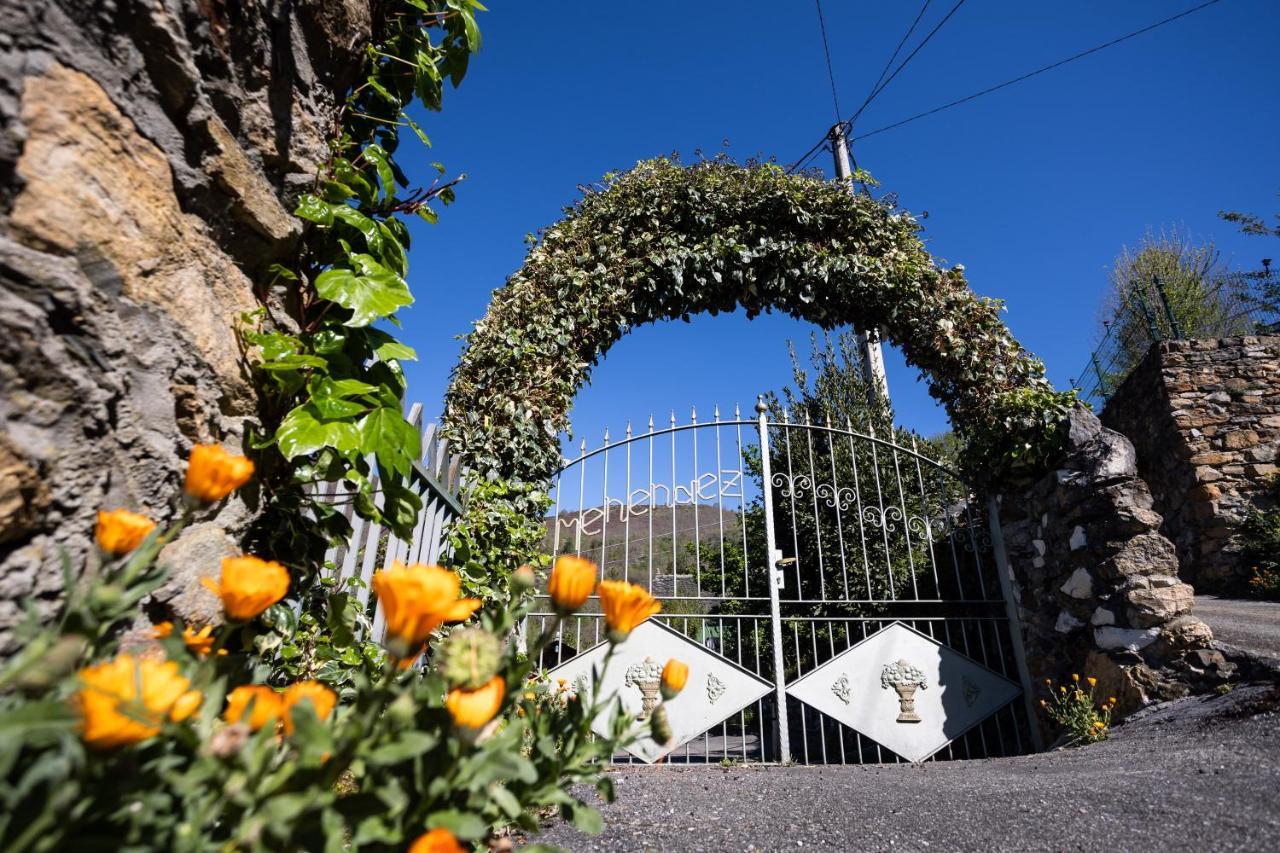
1096, 582
1205, 419
150, 154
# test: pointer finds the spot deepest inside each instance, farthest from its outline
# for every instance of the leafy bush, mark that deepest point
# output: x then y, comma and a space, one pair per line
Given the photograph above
184, 744
1261, 533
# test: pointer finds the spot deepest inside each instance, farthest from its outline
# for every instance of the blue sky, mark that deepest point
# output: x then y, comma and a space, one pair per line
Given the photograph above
1034, 189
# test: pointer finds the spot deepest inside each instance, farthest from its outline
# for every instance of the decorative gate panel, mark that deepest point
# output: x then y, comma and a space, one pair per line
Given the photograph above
796, 554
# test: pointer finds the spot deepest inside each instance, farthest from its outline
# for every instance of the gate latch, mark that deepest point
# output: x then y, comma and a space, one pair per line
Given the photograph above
779, 563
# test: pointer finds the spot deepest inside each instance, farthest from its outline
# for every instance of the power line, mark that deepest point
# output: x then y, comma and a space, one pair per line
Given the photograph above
1031, 74
831, 75
882, 86
897, 50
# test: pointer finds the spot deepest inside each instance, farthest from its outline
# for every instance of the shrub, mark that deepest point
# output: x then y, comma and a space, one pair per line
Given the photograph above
1261, 532
184, 744
1074, 709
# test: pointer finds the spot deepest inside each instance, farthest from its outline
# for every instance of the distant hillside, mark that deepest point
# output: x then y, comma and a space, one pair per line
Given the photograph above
625, 539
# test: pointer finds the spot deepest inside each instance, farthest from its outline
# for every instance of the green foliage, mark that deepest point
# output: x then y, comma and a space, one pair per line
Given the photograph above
332, 381
664, 241
388, 764
1194, 298
1261, 534
1264, 287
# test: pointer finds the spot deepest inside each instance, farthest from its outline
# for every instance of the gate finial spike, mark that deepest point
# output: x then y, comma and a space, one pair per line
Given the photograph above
628, 433
673, 417
650, 423
761, 408
737, 412
786, 415
716, 412
693, 414
606, 435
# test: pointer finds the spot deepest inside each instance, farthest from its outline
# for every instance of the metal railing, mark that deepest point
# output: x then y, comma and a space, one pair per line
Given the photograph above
1232, 305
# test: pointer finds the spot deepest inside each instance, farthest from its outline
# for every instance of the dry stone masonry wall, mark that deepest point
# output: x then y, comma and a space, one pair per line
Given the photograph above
150, 154
1204, 417
1097, 583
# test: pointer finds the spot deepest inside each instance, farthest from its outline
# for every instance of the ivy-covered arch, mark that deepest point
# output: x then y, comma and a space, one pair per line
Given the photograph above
666, 241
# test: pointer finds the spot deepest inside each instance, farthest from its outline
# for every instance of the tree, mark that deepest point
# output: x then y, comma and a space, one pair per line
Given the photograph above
1263, 287
1170, 286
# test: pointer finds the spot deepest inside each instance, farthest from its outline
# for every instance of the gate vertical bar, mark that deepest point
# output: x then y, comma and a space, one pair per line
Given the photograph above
1015, 624
773, 555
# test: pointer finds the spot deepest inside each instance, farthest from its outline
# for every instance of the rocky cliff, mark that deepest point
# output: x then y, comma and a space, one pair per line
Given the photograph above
150, 154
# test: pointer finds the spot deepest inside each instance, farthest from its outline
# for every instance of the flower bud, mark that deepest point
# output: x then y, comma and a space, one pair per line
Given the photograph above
660, 726
572, 581
674, 676
469, 658
523, 578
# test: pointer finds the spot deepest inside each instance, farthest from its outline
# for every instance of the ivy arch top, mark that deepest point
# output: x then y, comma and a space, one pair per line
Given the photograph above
666, 241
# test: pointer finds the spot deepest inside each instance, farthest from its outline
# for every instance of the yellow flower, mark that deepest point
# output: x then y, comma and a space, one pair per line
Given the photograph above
625, 606
200, 642
416, 600
322, 701
213, 473
249, 586
1075, 676
1093, 682
118, 532
265, 706
1044, 704
125, 701
674, 676
1111, 700
573, 579
438, 840
473, 709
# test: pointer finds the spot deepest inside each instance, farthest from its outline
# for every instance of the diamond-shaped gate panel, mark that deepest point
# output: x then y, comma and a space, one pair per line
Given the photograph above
905, 691
717, 688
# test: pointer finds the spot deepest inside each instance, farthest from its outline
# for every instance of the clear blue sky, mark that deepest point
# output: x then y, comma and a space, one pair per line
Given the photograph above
1034, 189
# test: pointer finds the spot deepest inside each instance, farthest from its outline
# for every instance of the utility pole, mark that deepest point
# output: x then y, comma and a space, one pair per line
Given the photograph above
868, 339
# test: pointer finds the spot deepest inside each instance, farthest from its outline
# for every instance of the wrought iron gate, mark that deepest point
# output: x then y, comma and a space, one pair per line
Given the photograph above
791, 557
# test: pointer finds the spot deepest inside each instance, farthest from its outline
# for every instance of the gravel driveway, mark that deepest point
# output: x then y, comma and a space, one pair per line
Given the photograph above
1198, 774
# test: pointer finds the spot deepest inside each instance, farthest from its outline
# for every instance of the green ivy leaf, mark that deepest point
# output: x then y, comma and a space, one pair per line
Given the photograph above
396, 442
306, 430
387, 348
315, 209
374, 293
382, 164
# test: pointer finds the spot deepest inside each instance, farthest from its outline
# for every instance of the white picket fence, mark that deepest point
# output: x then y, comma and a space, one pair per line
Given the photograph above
437, 479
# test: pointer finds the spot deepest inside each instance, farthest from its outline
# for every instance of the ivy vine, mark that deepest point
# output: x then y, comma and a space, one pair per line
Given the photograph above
665, 241
332, 384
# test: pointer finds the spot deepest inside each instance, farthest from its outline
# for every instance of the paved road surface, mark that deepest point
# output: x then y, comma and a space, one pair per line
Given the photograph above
1252, 625
1200, 774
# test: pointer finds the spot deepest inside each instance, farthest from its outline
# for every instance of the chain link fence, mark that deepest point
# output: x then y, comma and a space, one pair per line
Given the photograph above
1232, 305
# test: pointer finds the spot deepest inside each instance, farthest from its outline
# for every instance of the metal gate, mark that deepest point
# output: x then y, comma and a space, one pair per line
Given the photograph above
822, 576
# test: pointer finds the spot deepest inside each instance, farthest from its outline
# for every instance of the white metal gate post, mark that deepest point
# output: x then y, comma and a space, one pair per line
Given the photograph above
1015, 624
773, 555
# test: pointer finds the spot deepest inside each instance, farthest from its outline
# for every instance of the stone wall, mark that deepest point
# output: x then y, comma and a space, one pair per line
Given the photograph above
1095, 580
150, 154
1204, 417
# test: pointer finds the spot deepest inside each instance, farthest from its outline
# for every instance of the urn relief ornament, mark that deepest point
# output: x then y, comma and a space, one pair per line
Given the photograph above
646, 676
905, 679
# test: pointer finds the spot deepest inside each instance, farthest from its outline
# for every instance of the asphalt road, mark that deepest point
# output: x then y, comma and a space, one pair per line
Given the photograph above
1252, 625
1199, 774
